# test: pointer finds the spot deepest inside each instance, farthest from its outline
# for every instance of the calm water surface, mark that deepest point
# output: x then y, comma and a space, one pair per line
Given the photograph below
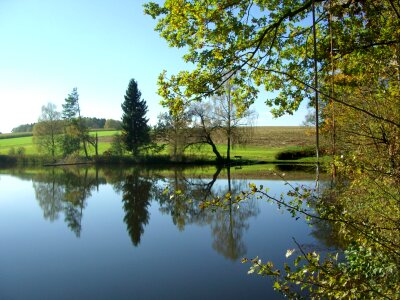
114, 234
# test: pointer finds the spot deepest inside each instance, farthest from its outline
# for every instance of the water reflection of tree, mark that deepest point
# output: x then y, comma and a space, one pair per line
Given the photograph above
227, 226
136, 199
183, 208
49, 194
327, 233
65, 190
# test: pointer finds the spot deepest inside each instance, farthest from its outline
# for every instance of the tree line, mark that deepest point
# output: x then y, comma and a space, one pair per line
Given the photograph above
66, 133
218, 120
90, 122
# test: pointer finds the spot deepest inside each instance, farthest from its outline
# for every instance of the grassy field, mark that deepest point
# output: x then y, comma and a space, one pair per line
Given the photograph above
281, 136
14, 141
26, 142
263, 145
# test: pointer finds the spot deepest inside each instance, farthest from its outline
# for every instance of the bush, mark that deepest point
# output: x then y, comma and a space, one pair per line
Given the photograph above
20, 151
295, 154
11, 152
72, 158
117, 145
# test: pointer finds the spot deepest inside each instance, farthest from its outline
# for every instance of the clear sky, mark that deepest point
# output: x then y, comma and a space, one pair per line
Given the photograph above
48, 47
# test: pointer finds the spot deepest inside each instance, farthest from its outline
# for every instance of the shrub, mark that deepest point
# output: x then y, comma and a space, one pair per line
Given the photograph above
72, 158
117, 145
20, 151
295, 154
11, 152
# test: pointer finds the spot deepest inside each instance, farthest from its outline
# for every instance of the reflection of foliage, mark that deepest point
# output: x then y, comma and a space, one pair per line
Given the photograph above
227, 226
115, 176
175, 200
50, 197
136, 193
65, 190
73, 217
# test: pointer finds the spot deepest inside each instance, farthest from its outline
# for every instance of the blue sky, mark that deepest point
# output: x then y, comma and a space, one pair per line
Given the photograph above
50, 46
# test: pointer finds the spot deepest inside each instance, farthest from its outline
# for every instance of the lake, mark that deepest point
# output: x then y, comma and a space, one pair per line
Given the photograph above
116, 233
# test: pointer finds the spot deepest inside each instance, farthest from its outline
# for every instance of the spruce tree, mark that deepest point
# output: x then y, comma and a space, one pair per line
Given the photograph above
71, 106
135, 130
75, 129
71, 140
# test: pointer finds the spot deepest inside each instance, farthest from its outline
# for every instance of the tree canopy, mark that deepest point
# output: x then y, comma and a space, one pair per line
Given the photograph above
268, 45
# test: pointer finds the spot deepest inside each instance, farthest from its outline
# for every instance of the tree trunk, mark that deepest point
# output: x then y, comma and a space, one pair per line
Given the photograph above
208, 187
228, 150
97, 145
85, 149
315, 82
332, 91
214, 149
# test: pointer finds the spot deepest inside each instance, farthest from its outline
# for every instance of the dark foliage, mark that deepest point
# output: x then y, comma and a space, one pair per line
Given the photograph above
295, 154
136, 132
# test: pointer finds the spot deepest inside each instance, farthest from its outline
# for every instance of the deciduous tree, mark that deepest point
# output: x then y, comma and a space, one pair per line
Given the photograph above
230, 116
174, 129
47, 132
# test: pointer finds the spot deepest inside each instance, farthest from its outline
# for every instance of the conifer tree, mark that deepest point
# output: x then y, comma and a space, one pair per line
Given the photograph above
75, 131
135, 130
71, 108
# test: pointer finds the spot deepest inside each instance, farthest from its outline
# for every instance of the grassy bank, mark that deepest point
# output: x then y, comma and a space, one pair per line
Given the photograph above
266, 145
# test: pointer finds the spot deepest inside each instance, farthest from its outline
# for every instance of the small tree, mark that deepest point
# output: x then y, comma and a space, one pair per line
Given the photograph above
117, 145
230, 112
222, 115
175, 131
71, 109
47, 132
135, 131
205, 126
76, 130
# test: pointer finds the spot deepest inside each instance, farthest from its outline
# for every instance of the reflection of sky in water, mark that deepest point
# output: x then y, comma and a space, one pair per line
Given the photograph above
42, 259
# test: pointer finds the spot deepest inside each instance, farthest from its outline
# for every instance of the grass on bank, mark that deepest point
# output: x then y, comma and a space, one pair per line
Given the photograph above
265, 145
